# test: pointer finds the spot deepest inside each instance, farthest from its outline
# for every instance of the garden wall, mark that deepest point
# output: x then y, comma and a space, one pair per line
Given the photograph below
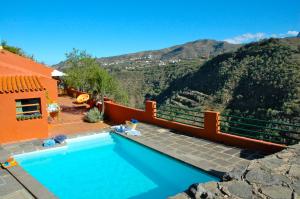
118, 114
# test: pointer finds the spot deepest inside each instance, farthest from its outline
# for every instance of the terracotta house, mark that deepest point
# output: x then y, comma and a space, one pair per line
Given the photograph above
25, 88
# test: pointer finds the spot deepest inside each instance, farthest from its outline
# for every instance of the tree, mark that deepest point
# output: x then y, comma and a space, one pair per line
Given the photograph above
16, 50
86, 74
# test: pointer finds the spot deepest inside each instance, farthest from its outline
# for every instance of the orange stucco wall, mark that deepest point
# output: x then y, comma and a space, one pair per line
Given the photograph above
119, 114
51, 86
11, 129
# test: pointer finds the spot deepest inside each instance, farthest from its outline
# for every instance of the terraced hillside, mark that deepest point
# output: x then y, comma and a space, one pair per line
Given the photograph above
261, 79
150, 72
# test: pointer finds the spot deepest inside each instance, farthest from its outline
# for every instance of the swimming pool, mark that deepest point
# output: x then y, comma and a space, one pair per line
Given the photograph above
109, 166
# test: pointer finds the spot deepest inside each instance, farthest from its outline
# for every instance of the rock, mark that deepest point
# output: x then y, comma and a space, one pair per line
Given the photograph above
201, 190
296, 186
212, 187
272, 162
282, 180
275, 176
277, 192
295, 160
285, 155
295, 195
254, 164
235, 173
260, 176
295, 171
224, 190
180, 196
240, 189
192, 190
203, 193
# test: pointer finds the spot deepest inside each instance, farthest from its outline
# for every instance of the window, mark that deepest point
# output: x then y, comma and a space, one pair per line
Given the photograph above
28, 109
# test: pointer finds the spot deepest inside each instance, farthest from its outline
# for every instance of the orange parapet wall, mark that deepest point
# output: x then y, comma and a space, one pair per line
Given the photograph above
119, 114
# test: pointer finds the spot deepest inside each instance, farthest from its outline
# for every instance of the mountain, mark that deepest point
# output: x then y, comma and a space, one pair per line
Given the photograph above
197, 49
200, 49
150, 72
298, 34
260, 79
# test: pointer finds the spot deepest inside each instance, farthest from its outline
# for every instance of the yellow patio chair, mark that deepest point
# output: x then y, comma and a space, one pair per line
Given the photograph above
82, 98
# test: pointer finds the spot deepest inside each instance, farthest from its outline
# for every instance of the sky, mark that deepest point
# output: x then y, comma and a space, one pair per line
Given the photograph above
50, 28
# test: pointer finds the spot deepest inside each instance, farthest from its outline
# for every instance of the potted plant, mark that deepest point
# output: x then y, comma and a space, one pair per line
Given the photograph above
53, 109
93, 116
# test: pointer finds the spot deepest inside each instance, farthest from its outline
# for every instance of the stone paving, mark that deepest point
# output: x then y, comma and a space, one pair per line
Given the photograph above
9, 187
15, 182
276, 176
212, 157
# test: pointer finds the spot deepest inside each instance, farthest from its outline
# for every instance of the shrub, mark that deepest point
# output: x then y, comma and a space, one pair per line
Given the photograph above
93, 115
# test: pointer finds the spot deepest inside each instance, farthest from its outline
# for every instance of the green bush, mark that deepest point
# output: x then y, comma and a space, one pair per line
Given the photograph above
93, 116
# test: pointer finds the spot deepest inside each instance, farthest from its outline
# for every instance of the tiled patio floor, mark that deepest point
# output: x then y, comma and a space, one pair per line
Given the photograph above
209, 156
70, 119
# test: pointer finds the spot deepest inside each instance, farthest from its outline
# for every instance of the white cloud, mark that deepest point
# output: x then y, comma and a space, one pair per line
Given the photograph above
246, 38
292, 33
249, 37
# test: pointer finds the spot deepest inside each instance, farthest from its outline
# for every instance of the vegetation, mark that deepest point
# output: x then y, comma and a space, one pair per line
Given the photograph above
85, 74
93, 115
260, 80
251, 85
16, 50
151, 81
150, 72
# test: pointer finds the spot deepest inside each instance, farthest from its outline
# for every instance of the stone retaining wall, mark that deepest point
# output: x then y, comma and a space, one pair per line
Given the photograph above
275, 176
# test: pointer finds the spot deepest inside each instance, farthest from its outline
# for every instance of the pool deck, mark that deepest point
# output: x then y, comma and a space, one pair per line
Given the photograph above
212, 157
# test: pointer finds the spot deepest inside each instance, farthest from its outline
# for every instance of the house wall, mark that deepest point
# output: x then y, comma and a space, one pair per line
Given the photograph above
119, 114
13, 130
51, 86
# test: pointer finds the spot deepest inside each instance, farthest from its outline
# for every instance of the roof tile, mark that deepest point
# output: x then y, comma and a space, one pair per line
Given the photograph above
11, 84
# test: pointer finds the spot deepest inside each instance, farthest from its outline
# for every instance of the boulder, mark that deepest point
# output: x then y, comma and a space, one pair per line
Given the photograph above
295, 171
276, 176
277, 192
260, 176
240, 189
236, 173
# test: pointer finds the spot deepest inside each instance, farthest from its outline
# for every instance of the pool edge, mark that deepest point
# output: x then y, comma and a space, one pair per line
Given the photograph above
131, 138
38, 190
33, 186
28, 182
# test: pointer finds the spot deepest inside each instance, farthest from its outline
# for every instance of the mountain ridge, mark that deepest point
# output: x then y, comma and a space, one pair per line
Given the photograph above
198, 49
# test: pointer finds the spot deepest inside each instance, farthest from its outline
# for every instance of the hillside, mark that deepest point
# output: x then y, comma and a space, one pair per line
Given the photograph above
150, 72
199, 49
260, 79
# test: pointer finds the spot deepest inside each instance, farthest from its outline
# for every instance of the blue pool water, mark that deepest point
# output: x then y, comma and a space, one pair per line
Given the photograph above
109, 166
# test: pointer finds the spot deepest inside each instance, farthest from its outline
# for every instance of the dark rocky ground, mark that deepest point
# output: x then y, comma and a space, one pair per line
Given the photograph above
275, 176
